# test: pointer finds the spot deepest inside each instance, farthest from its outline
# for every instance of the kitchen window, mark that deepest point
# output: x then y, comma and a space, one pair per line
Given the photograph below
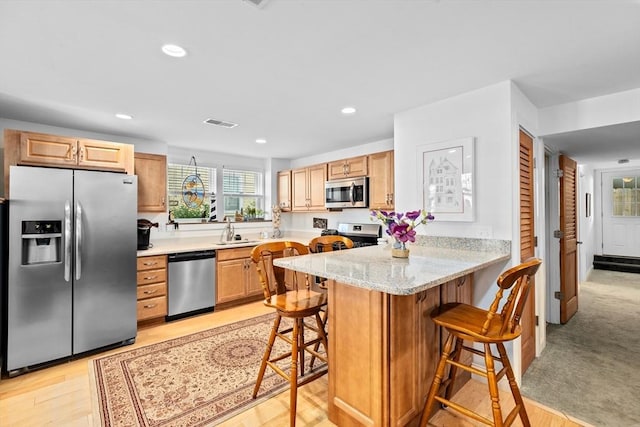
243, 192
191, 192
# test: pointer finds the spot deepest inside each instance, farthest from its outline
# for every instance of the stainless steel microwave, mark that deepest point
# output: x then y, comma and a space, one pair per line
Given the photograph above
347, 193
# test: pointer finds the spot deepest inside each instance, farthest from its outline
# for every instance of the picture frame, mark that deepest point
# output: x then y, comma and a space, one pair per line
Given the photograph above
446, 174
587, 210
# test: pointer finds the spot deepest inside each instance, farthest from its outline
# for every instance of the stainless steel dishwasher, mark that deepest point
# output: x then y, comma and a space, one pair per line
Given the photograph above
192, 283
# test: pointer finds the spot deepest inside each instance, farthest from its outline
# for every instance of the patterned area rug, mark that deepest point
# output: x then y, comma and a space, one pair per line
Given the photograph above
197, 380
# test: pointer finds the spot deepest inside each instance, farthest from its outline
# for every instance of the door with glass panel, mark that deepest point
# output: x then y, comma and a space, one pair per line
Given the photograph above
621, 213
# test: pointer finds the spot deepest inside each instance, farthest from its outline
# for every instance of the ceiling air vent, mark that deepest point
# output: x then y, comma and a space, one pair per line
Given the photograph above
257, 3
221, 123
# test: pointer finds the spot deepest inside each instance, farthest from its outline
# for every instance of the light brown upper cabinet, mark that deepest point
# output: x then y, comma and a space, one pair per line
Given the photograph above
284, 190
51, 150
152, 182
40, 149
307, 186
381, 180
348, 168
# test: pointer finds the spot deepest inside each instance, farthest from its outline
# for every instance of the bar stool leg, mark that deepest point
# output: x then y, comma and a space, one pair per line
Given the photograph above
493, 387
453, 370
293, 379
437, 380
267, 354
517, 397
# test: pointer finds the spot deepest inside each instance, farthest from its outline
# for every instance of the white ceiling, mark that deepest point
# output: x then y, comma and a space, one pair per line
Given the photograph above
283, 71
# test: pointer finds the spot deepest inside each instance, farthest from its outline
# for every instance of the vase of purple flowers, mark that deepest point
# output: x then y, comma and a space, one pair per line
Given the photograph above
402, 228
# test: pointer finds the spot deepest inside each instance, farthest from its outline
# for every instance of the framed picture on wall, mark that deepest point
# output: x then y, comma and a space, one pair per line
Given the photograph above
587, 208
445, 170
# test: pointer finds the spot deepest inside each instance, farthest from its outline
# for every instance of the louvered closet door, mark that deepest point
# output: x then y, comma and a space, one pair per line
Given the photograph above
569, 239
527, 245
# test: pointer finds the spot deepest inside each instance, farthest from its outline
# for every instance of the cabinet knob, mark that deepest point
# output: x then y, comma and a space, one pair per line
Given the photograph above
150, 306
150, 292
150, 277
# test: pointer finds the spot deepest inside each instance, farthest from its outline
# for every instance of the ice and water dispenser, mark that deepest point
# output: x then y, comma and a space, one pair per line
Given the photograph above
41, 242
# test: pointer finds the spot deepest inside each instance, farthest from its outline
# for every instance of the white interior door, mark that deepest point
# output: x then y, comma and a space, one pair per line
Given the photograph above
621, 213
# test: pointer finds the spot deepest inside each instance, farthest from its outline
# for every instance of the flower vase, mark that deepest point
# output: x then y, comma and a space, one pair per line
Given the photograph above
399, 250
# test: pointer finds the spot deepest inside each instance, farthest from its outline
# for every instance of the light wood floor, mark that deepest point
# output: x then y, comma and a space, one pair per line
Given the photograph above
60, 395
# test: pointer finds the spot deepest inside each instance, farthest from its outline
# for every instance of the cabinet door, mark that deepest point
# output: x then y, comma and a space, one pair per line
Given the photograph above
152, 182
299, 190
317, 177
41, 149
253, 280
101, 155
414, 356
336, 170
357, 166
381, 180
347, 168
230, 280
284, 190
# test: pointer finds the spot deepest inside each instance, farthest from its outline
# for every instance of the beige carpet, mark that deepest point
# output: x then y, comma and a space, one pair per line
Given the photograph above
589, 368
197, 380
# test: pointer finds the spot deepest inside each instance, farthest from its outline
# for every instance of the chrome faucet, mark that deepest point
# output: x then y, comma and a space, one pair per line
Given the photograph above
228, 232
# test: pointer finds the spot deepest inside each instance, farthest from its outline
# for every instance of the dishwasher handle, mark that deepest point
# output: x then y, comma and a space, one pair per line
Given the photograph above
191, 256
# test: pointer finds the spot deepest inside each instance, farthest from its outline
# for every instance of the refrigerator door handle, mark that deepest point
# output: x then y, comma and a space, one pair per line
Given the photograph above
78, 240
67, 241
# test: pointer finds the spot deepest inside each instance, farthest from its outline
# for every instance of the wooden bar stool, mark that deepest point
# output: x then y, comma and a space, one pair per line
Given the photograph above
468, 323
296, 304
327, 243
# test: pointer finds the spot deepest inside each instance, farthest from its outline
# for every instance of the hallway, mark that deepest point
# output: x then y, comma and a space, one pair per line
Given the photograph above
589, 368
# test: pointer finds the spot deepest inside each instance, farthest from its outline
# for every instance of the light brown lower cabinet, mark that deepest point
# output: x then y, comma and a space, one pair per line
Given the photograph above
383, 352
236, 276
152, 287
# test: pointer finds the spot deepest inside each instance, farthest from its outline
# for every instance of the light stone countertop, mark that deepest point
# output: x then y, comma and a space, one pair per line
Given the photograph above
188, 244
374, 268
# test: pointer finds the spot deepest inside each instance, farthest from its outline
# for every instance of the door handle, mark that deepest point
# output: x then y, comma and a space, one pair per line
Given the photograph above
67, 241
78, 240
352, 193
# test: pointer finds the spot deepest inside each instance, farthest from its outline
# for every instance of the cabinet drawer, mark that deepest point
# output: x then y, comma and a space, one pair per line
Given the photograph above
235, 253
154, 290
152, 307
152, 262
152, 276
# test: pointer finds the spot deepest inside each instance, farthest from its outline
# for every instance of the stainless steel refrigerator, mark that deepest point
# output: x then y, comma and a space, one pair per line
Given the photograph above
72, 263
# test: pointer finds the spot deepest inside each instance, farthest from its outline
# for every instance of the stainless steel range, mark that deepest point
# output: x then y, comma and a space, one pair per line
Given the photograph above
361, 234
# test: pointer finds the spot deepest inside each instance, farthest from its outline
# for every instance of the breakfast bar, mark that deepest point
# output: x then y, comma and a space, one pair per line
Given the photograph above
383, 346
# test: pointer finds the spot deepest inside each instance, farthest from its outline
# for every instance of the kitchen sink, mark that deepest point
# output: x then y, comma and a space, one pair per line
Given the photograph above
237, 242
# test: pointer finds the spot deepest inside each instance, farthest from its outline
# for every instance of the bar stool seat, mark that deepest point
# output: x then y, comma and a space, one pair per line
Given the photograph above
296, 303
464, 322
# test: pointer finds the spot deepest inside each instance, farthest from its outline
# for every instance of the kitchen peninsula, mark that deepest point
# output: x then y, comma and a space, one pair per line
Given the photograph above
383, 346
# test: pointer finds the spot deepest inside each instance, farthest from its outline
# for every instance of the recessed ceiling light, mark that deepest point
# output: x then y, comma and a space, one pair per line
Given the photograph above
261, 141
124, 116
174, 50
348, 110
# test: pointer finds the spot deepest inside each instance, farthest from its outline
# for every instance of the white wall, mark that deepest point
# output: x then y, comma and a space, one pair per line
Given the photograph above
616, 108
586, 225
483, 114
493, 116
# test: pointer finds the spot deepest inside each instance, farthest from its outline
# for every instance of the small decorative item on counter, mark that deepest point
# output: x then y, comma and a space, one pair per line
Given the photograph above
401, 226
275, 209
